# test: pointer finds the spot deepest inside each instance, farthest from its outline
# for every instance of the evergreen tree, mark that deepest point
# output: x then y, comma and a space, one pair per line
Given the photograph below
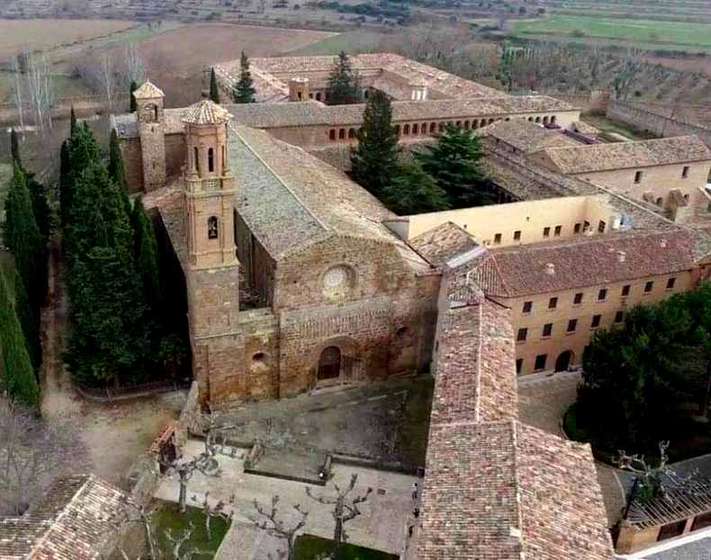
454, 163
375, 160
343, 84
64, 182
18, 377
146, 256
15, 147
23, 237
40, 206
244, 91
72, 121
214, 90
116, 169
132, 100
413, 191
29, 317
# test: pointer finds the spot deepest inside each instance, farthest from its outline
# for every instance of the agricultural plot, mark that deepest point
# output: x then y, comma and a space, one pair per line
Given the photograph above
640, 32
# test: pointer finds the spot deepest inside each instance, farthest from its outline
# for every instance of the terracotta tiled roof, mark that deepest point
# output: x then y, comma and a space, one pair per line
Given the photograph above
625, 155
526, 136
524, 269
443, 242
76, 520
205, 112
148, 91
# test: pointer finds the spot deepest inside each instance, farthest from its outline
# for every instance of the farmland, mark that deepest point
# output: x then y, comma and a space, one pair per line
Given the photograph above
642, 33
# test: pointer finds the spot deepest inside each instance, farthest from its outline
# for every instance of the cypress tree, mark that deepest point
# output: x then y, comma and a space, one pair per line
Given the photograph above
455, 164
18, 377
15, 147
375, 160
40, 206
244, 91
116, 169
133, 87
64, 181
29, 318
72, 121
343, 84
23, 237
413, 191
146, 256
214, 90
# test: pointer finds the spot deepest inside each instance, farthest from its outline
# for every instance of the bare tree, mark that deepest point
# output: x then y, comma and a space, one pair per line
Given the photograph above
268, 521
223, 510
345, 506
135, 70
40, 89
32, 454
18, 90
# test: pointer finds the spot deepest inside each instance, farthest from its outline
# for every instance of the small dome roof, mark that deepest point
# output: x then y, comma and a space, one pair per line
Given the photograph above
205, 112
148, 91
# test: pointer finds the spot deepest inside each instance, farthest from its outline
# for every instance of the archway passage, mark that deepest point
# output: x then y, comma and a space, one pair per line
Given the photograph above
564, 360
329, 364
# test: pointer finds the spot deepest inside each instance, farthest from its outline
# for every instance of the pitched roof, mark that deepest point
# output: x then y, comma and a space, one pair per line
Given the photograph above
526, 136
442, 243
148, 91
289, 198
74, 521
524, 269
205, 112
625, 155
496, 489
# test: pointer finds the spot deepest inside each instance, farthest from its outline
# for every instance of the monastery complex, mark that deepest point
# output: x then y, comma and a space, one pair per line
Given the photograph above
295, 277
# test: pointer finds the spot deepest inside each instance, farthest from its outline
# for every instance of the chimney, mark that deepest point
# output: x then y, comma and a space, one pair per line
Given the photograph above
663, 243
621, 256
550, 269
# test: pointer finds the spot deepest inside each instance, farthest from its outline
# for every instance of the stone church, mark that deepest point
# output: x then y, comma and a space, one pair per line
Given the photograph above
292, 279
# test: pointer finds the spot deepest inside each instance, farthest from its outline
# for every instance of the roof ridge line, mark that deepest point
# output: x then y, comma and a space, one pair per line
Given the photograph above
279, 178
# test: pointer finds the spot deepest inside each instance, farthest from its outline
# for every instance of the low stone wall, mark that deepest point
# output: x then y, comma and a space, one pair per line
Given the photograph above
644, 119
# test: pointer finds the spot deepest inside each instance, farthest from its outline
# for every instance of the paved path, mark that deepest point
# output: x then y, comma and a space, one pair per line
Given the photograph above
543, 401
381, 526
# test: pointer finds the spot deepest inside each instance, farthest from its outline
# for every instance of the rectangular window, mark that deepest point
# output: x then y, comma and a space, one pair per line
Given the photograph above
595, 321
578, 298
522, 334
541, 362
572, 325
546, 232
577, 228
648, 287
517, 236
619, 316
602, 295
670, 283
685, 172
601, 227
558, 230
547, 329
553, 303
527, 306
497, 239
638, 177
519, 365
625, 290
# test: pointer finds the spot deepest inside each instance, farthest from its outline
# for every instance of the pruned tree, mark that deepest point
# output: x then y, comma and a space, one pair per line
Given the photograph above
345, 506
222, 510
268, 520
32, 453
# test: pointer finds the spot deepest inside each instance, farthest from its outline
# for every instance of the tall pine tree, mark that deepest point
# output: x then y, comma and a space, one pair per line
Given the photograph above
64, 182
146, 256
343, 83
15, 147
375, 160
413, 191
18, 377
116, 169
454, 162
244, 91
214, 89
72, 121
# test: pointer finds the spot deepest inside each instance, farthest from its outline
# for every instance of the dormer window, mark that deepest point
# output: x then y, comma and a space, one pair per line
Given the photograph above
213, 231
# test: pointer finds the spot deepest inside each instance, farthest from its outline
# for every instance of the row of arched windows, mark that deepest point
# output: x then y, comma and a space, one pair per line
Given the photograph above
431, 128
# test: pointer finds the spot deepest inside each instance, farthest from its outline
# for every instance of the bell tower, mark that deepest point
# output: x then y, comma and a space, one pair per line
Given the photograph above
209, 187
151, 130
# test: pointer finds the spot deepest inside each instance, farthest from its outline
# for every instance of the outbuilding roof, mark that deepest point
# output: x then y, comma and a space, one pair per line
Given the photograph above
148, 91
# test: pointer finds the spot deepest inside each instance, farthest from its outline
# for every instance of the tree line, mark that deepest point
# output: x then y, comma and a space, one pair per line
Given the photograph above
23, 283
119, 332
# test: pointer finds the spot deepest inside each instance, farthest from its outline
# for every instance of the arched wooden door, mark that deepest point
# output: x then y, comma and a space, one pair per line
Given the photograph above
329, 363
564, 360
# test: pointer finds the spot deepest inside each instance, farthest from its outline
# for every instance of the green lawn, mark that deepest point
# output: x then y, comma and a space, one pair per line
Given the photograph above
309, 547
635, 31
168, 519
